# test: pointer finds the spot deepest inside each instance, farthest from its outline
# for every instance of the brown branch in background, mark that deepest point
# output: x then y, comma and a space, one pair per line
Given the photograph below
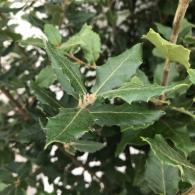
65, 4
179, 15
14, 102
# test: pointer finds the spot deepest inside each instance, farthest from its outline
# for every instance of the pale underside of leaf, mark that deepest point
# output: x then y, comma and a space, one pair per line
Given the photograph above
140, 93
87, 40
166, 49
191, 73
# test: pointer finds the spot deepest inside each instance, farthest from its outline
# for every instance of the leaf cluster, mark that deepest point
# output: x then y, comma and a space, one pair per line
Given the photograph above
52, 128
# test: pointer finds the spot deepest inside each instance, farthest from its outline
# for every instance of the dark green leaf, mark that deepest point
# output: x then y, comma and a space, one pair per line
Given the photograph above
88, 146
66, 71
131, 93
68, 125
6, 176
168, 155
161, 178
127, 137
182, 141
12, 190
118, 69
132, 117
33, 41
164, 30
45, 96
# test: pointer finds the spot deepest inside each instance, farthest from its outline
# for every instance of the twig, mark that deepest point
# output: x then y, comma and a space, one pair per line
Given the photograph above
15, 102
179, 15
65, 4
86, 100
77, 60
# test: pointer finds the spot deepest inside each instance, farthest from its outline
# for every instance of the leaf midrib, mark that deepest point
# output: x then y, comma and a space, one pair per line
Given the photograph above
169, 157
73, 75
118, 67
164, 89
57, 58
69, 124
129, 113
163, 182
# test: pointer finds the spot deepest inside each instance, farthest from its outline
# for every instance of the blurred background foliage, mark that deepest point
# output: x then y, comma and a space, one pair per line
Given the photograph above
117, 169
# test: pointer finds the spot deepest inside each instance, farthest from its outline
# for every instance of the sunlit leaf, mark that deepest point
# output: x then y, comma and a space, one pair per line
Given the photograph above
166, 49
191, 73
89, 42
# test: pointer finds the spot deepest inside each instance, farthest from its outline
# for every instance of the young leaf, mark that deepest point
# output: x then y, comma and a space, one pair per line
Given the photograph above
88, 41
68, 125
166, 49
140, 93
136, 116
53, 34
65, 68
168, 155
88, 146
118, 69
46, 77
191, 73
160, 177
